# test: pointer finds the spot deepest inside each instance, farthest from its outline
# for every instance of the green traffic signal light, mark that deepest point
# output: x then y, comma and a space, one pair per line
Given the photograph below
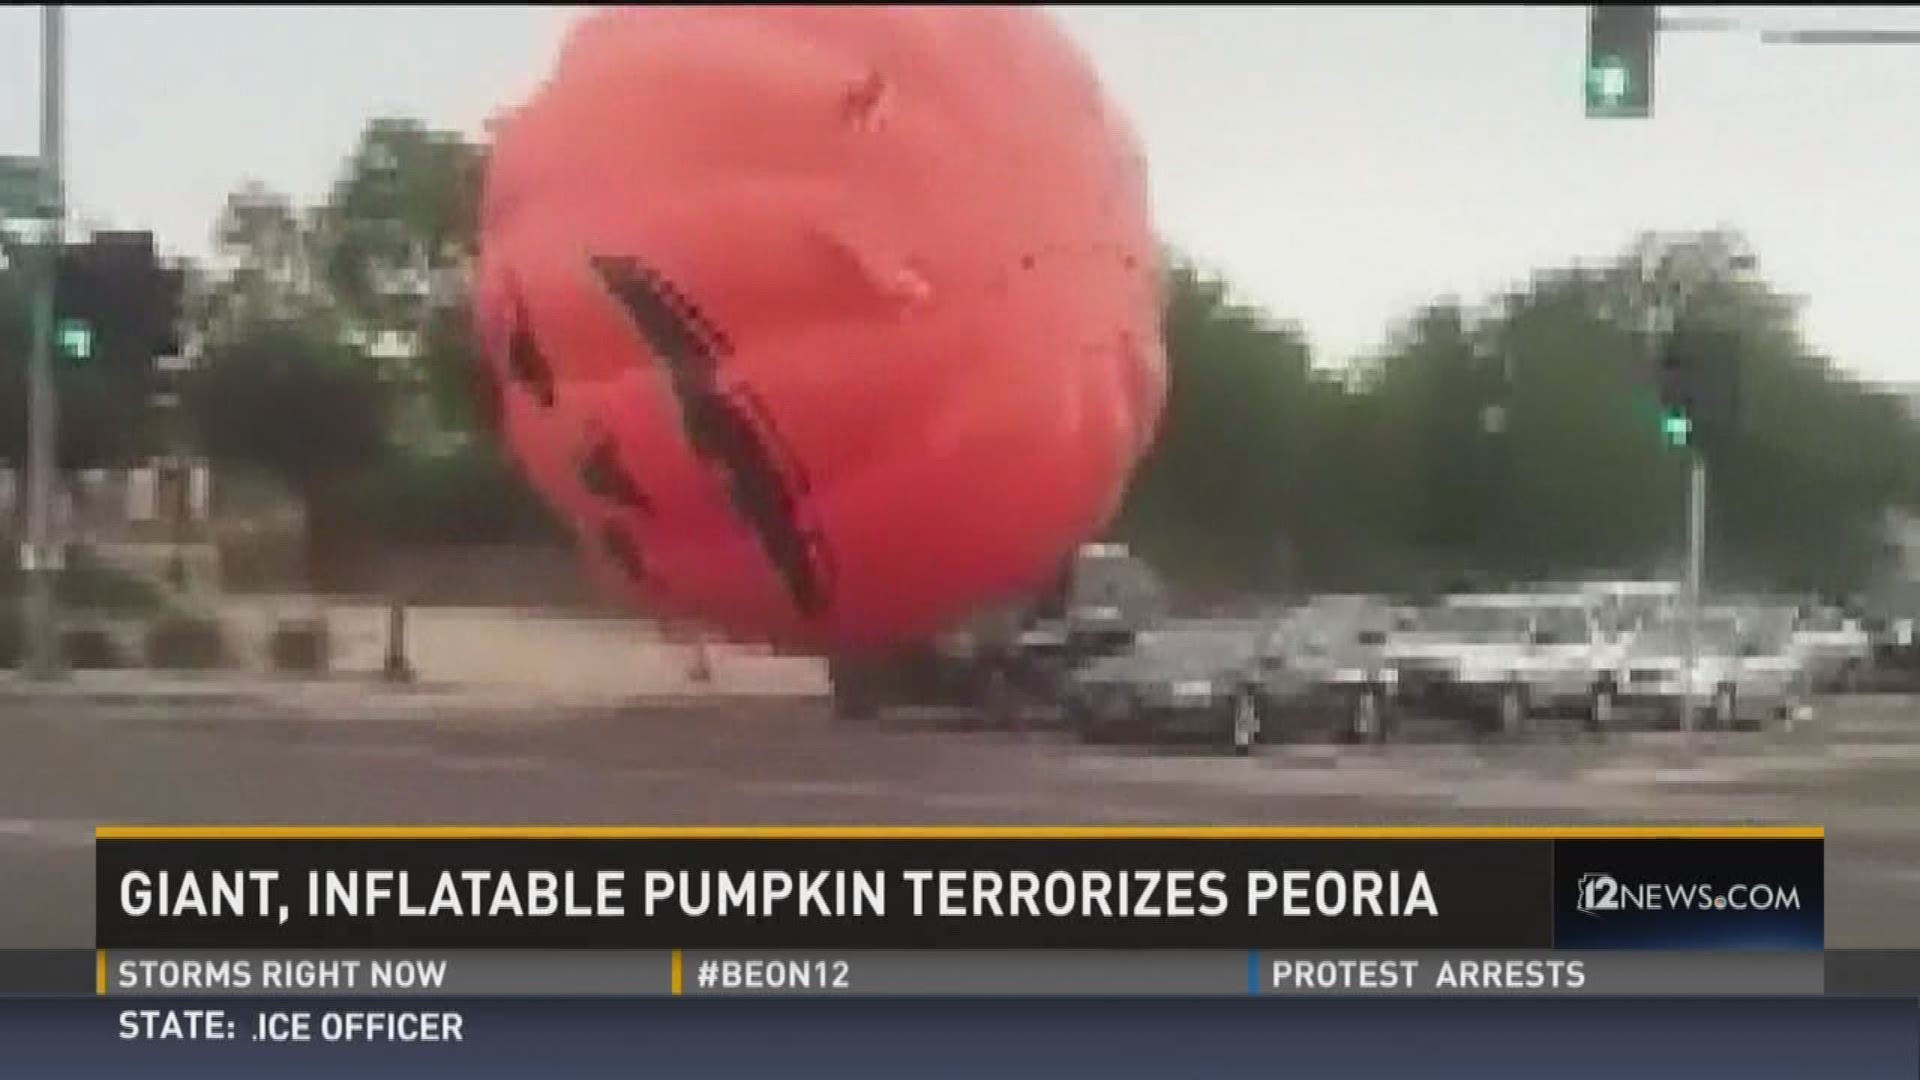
1677, 428
76, 339
1608, 83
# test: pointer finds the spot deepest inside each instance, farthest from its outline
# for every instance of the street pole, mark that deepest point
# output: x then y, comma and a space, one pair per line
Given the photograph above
1659, 315
1696, 570
41, 562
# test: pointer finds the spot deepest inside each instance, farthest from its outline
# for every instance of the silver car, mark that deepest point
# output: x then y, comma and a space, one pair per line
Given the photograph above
1315, 665
1836, 647
1498, 659
1744, 671
1449, 656
1178, 680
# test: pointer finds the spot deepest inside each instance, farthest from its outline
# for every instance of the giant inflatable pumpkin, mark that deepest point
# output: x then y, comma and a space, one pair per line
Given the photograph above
822, 325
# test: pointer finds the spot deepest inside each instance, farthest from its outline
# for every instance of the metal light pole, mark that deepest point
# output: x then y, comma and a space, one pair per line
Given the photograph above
1696, 566
40, 557
1738, 263
1659, 315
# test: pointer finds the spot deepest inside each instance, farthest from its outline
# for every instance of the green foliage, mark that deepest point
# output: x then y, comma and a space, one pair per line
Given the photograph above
86, 584
290, 384
280, 395
452, 374
407, 200
1231, 446
469, 495
181, 641
1270, 474
90, 648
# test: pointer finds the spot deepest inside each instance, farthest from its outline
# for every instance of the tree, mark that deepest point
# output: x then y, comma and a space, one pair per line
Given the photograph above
268, 250
1232, 458
284, 396
395, 244
363, 300
261, 231
1435, 385
1392, 477
407, 204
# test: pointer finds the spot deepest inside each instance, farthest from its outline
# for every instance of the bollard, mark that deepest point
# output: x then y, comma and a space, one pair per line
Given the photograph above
701, 671
397, 670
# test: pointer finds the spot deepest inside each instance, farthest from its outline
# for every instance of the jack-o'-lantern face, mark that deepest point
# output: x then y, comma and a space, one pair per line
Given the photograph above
823, 325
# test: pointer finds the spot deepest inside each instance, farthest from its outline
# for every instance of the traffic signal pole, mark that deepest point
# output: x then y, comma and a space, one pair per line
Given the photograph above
39, 556
1660, 316
1696, 569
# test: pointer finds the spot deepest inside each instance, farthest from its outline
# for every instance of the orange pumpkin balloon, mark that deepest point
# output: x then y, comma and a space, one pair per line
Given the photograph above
824, 325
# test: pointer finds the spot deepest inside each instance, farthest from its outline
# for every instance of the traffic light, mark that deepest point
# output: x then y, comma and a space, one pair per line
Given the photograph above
1619, 77
75, 338
1676, 427
1699, 384
1676, 396
116, 305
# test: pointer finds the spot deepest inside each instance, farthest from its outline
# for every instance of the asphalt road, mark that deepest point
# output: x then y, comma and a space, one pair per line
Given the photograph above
65, 768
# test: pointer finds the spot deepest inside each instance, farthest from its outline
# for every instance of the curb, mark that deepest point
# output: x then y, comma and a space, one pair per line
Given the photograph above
72, 692
370, 694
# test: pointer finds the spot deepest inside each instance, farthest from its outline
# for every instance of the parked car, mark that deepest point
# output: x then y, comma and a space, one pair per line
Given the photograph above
1315, 665
1836, 647
1007, 662
1745, 670
1177, 680
1890, 616
1896, 651
1496, 659
1453, 659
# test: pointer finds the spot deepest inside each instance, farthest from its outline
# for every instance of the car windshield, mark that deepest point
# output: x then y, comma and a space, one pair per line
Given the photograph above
1310, 640
1824, 622
1198, 642
1765, 637
1716, 637
1472, 623
1108, 578
1636, 611
1562, 626
1323, 630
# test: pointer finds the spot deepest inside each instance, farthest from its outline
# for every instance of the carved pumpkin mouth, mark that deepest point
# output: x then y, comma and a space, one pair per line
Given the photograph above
728, 428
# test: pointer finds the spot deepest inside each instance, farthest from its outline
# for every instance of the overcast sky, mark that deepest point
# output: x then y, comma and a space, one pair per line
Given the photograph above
1342, 165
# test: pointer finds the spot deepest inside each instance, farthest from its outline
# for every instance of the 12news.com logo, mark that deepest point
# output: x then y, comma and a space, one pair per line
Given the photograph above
1603, 893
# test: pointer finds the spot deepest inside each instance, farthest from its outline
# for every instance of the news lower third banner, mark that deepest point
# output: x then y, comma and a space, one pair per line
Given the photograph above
956, 973
1166, 973
1364, 893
